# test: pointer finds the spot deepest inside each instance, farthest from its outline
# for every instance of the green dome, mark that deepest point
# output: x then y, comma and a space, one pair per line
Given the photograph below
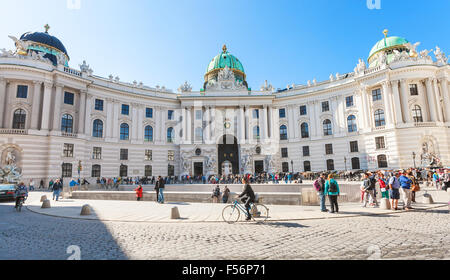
224, 59
387, 43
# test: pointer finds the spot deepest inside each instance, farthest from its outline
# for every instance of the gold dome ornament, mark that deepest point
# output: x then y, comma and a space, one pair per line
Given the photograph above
47, 27
385, 32
224, 48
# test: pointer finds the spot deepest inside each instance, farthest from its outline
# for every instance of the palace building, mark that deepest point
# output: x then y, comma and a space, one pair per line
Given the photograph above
392, 111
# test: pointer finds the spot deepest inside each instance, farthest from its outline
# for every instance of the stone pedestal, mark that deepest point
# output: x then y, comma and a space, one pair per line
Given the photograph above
46, 204
175, 213
43, 198
427, 199
310, 197
385, 204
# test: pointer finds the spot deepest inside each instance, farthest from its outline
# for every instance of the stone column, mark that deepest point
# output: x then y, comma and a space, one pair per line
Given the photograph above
57, 108
446, 96
36, 105
183, 124
134, 122
264, 124
291, 125
423, 98
341, 114
313, 131
276, 127
405, 105
82, 112
367, 112
438, 100
140, 121
361, 114
213, 125
431, 101
387, 103
334, 111
45, 122
241, 125
109, 118
397, 103
87, 118
3, 84
189, 125
247, 123
115, 121
207, 137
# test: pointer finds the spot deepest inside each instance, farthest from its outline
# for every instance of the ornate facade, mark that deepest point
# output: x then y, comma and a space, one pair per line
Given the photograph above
393, 112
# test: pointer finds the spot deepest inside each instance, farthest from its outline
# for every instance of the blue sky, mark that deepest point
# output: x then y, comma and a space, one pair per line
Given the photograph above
167, 42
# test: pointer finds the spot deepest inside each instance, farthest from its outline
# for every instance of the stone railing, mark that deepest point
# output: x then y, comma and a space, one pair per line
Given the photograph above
372, 70
380, 128
72, 71
67, 134
424, 124
13, 131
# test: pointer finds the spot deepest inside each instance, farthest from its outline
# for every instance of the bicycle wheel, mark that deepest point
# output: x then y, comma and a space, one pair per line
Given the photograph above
260, 213
231, 214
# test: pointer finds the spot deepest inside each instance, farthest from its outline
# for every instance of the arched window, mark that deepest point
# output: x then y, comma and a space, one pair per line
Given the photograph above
283, 133
124, 132
170, 135
97, 130
330, 165
382, 161
256, 133
351, 123
148, 137
305, 130
327, 129
417, 114
19, 119
199, 134
355, 163
67, 123
379, 118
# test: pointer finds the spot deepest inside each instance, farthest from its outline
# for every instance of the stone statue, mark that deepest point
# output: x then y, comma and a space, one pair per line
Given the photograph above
412, 49
10, 158
266, 87
425, 54
225, 81
22, 46
360, 67
186, 87
6, 53
440, 56
428, 156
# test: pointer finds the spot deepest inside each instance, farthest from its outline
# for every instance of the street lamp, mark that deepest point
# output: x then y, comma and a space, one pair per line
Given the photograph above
345, 161
292, 164
414, 159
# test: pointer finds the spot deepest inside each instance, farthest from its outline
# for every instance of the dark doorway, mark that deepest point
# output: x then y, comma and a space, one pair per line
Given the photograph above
259, 166
198, 168
229, 151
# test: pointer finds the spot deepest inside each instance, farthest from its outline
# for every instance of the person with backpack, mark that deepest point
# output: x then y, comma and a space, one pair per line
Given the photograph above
216, 194
319, 185
332, 191
394, 190
368, 186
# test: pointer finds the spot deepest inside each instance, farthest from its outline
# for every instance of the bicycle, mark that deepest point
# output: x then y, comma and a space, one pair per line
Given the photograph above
232, 213
20, 204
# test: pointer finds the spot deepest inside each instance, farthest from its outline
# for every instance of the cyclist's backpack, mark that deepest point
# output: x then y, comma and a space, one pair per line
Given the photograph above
333, 187
317, 185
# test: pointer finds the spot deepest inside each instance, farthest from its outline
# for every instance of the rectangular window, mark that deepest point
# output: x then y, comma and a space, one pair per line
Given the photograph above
68, 150
123, 154
325, 106
380, 144
303, 110
148, 171
171, 170
284, 152
329, 149
22, 92
67, 170
413, 90
282, 113
125, 109
354, 147
69, 98
376, 94
171, 155
170, 115
148, 155
349, 101
98, 104
199, 115
96, 171
285, 167
149, 113
97, 153
307, 166
306, 151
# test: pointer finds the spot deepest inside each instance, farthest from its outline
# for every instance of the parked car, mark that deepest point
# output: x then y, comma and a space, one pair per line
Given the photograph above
7, 192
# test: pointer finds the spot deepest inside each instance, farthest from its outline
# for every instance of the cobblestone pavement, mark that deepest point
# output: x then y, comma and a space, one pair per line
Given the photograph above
413, 235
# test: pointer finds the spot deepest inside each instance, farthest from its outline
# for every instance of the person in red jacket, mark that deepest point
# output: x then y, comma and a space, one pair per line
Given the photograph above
139, 192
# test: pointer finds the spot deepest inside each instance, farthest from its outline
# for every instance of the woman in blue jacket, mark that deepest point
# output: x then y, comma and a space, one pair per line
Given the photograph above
332, 190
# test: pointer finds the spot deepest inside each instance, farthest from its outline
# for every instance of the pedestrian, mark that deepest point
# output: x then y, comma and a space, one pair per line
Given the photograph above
332, 191
319, 185
383, 188
31, 188
405, 189
50, 185
57, 187
161, 186
394, 190
139, 192
247, 196
446, 186
41, 184
436, 180
368, 185
415, 187
226, 194
216, 194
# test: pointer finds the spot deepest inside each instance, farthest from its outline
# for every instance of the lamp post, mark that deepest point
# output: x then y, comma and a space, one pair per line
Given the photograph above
292, 164
345, 161
414, 159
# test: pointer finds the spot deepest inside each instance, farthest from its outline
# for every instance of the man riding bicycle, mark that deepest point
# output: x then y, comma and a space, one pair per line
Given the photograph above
21, 193
247, 197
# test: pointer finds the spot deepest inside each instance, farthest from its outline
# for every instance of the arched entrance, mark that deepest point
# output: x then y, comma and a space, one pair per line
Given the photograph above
228, 150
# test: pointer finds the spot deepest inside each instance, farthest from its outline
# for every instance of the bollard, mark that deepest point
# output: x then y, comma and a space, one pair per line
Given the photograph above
427, 199
46, 204
85, 210
43, 198
385, 204
175, 213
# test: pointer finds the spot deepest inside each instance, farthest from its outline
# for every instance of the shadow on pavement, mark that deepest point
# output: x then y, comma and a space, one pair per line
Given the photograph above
285, 225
